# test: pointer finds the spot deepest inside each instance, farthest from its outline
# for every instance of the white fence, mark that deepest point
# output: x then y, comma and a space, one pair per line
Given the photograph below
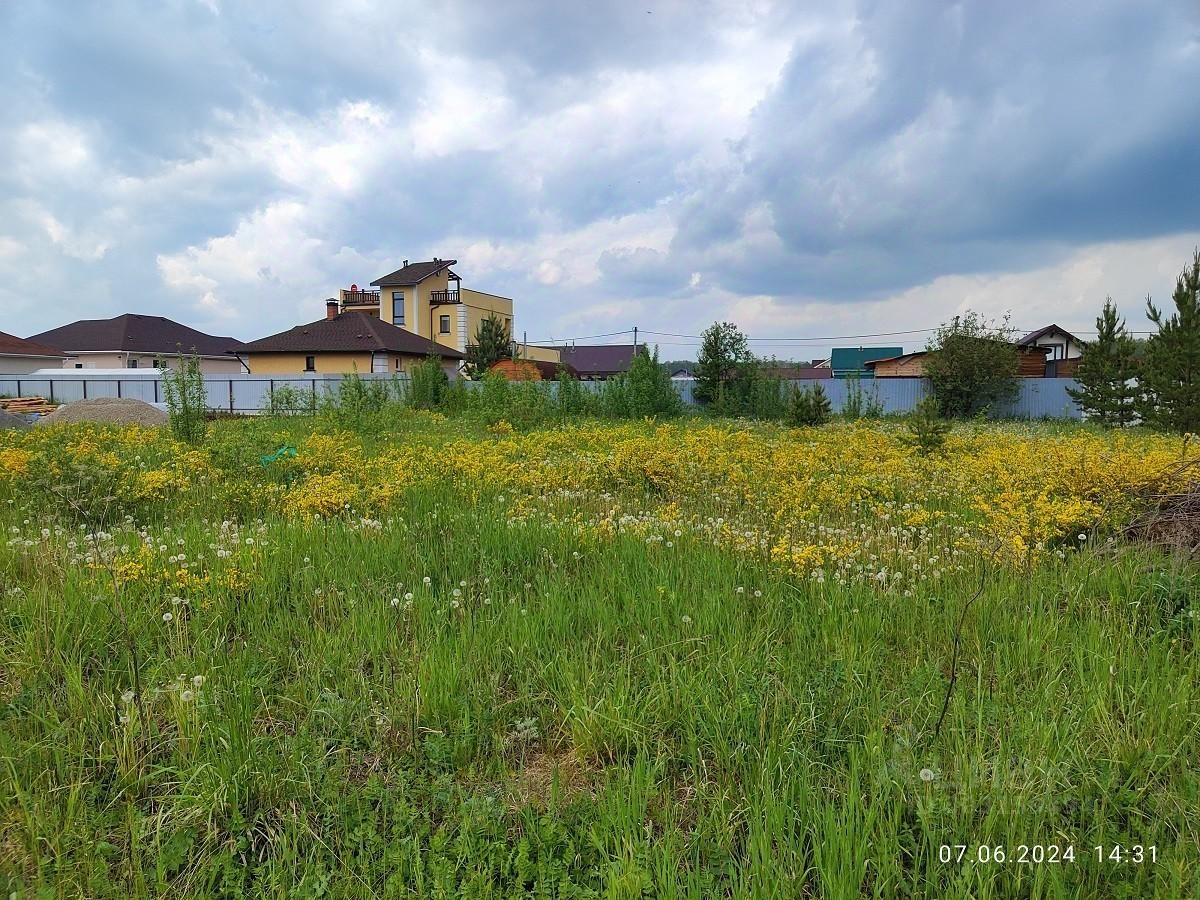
1038, 398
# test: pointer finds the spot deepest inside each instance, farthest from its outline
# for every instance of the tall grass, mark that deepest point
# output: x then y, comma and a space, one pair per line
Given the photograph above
449, 703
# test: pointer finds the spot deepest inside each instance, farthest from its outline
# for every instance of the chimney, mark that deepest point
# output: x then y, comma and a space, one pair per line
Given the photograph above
331, 308
406, 263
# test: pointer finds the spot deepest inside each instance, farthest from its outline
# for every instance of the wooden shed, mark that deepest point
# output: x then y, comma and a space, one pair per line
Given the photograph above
1031, 363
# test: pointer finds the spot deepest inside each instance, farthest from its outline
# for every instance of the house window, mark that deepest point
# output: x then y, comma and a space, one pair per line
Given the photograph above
79, 365
310, 364
133, 363
397, 307
444, 324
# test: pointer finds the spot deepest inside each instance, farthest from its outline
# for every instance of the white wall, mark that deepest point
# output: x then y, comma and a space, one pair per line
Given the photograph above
22, 365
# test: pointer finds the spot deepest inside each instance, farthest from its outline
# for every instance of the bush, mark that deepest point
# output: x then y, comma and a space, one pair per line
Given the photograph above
286, 400
523, 404
767, 400
860, 405
428, 384
570, 398
972, 364
187, 399
648, 388
356, 402
927, 430
808, 406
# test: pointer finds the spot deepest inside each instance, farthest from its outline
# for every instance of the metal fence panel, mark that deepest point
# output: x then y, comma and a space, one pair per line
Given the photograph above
1037, 397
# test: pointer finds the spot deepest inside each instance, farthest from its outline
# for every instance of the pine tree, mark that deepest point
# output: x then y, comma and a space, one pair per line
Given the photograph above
492, 344
1171, 368
1107, 393
808, 406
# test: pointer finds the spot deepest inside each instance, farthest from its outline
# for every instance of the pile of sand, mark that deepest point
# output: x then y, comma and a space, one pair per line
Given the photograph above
8, 420
107, 409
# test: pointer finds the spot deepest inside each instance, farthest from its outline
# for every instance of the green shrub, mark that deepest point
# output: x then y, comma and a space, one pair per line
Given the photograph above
428, 384
570, 397
286, 400
356, 402
767, 400
927, 429
648, 388
187, 399
808, 406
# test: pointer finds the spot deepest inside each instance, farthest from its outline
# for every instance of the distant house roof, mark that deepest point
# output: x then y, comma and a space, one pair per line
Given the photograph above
531, 369
855, 359
598, 360
1034, 336
903, 357
870, 363
11, 345
135, 333
413, 273
349, 332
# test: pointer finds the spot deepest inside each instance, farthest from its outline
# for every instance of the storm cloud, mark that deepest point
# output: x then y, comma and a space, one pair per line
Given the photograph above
801, 170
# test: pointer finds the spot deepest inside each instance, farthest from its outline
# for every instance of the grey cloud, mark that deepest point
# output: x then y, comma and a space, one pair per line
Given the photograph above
901, 142
968, 138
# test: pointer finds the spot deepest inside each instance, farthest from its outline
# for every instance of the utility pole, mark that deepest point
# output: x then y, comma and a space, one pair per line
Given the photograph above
635, 339
524, 345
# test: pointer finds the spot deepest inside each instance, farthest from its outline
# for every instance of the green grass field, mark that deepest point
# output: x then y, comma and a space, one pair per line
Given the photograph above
448, 699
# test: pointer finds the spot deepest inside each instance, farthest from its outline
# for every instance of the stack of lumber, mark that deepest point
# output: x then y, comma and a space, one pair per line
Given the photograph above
36, 406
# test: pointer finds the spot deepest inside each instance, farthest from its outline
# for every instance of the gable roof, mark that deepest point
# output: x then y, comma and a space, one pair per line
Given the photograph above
855, 359
1033, 336
870, 363
413, 273
11, 345
349, 332
598, 359
136, 333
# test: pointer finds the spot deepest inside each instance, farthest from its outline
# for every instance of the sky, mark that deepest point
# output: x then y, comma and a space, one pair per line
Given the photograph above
809, 171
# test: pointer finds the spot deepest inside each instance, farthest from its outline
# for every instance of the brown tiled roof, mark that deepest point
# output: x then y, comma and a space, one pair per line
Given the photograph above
598, 359
413, 273
136, 333
11, 345
349, 332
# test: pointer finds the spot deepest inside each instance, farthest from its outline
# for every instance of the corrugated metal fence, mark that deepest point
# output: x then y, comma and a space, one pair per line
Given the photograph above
1038, 398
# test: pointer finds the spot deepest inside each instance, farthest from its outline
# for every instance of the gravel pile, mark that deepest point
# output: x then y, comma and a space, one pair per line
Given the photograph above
107, 409
8, 420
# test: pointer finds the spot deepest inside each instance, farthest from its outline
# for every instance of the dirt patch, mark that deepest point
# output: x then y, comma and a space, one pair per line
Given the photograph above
8, 420
114, 410
532, 784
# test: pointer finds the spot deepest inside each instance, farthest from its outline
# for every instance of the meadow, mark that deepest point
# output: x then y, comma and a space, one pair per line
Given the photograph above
437, 658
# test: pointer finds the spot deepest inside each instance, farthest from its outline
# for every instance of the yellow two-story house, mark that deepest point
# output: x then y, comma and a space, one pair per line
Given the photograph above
428, 299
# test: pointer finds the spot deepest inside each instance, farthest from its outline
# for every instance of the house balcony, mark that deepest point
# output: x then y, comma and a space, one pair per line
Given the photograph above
439, 298
360, 298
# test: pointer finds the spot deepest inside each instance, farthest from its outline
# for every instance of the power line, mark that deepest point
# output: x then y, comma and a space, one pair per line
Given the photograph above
588, 337
782, 340
800, 341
